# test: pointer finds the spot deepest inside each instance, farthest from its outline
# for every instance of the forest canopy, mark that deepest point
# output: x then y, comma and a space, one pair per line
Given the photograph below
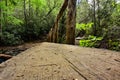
97, 22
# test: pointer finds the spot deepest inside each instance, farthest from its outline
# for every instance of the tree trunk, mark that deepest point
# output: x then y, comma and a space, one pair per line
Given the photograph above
29, 7
98, 2
50, 36
37, 9
25, 15
54, 30
71, 22
94, 18
1, 16
5, 14
98, 19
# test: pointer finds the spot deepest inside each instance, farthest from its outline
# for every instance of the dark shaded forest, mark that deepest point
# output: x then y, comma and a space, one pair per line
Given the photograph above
87, 23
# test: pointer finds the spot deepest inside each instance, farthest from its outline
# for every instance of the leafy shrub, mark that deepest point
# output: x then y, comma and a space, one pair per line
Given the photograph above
91, 41
114, 45
10, 39
111, 38
113, 33
12, 34
82, 29
83, 26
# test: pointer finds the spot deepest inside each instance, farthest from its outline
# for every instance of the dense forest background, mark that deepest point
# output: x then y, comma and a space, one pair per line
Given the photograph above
97, 22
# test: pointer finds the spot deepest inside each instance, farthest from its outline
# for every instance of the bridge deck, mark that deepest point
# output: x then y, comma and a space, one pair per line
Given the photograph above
49, 61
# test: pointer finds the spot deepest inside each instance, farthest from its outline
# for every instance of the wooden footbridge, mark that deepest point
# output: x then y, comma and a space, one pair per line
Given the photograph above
50, 61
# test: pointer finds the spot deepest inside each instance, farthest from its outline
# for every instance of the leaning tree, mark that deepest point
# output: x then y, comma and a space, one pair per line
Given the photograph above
70, 23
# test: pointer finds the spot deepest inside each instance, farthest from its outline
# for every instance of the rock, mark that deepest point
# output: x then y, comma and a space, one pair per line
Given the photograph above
118, 60
1, 78
4, 57
108, 69
77, 39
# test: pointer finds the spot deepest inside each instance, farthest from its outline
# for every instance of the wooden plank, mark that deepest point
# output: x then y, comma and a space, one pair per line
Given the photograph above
49, 61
